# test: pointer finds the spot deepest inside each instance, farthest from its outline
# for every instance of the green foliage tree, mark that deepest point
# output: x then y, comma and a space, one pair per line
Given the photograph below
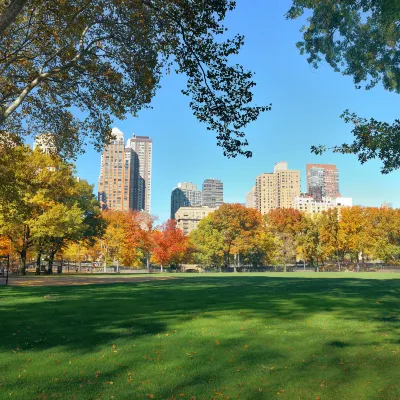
44, 205
106, 58
359, 38
208, 244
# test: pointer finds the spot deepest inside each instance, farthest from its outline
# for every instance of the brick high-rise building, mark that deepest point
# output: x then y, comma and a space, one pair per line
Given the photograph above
322, 181
277, 189
213, 193
125, 174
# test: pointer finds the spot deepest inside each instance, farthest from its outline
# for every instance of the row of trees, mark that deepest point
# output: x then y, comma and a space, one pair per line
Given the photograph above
234, 234
46, 211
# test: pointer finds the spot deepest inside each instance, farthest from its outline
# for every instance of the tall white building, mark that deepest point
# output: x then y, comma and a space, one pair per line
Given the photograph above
277, 189
309, 205
251, 200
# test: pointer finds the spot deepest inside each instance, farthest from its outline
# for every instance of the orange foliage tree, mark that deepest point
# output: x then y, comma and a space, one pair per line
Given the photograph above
286, 224
169, 244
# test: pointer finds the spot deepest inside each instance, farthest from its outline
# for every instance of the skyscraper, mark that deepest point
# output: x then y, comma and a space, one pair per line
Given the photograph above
277, 189
125, 174
186, 194
142, 147
251, 198
213, 193
322, 181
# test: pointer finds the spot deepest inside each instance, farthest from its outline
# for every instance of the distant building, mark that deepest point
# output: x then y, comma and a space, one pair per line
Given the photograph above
322, 181
309, 205
277, 189
188, 218
386, 205
125, 174
186, 194
251, 198
213, 193
142, 147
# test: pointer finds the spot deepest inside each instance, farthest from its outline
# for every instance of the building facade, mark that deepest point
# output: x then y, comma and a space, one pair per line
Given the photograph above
213, 193
186, 194
251, 198
142, 148
125, 174
277, 189
322, 181
188, 218
309, 205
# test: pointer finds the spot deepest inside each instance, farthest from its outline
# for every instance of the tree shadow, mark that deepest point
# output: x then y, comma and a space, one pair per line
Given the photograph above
81, 319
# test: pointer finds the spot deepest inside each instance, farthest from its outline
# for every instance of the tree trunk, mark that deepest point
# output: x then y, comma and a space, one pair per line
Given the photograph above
51, 259
10, 14
23, 261
161, 268
148, 262
234, 263
38, 262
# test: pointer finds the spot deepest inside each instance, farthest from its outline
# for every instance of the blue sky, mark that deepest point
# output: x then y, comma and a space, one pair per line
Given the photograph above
306, 104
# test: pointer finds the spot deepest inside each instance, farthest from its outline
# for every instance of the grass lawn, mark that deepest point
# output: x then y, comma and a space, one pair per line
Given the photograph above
256, 336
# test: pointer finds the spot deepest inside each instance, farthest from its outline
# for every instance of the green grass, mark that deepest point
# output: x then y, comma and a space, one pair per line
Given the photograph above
255, 336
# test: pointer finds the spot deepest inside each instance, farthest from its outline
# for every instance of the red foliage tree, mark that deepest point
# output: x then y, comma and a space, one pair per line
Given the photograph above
169, 244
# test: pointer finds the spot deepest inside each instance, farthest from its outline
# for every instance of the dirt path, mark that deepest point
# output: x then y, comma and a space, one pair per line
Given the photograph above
78, 280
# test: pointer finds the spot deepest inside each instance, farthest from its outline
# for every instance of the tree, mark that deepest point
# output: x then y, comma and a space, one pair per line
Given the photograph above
359, 38
44, 205
208, 243
383, 234
146, 236
106, 57
170, 244
309, 241
329, 236
286, 225
238, 226
113, 239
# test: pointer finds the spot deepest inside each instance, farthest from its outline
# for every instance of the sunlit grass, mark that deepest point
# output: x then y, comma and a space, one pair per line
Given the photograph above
263, 336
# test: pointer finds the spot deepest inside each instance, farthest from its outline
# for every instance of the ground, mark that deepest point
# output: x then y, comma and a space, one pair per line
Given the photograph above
234, 336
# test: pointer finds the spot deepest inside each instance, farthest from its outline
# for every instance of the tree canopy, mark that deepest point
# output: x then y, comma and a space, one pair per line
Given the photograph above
361, 39
69, 67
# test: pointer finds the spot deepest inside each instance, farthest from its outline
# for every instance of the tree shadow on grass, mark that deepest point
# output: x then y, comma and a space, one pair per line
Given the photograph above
52, 316
82, 319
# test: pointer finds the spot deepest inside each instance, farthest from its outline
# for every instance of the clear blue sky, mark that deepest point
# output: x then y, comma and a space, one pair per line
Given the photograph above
306, 102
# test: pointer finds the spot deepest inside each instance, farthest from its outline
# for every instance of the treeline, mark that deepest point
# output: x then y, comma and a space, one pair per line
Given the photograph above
46, 212
236, 235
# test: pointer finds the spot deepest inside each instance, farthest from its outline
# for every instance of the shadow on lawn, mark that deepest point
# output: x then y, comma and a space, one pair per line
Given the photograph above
81, 319
42, 317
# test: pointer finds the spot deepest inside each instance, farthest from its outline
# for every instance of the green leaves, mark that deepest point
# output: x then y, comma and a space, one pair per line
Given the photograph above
106, 58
